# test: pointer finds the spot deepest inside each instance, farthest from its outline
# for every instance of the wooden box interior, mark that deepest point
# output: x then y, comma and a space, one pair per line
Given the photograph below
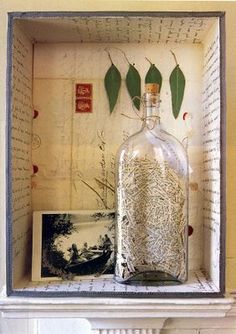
49, 54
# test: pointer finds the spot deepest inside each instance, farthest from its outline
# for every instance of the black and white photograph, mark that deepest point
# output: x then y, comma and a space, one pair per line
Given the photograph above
73, 244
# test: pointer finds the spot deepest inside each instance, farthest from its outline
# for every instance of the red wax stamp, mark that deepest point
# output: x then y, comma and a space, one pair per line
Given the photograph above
84, 90
83, 105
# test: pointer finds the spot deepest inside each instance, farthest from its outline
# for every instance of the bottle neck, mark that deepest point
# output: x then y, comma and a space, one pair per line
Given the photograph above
151, 111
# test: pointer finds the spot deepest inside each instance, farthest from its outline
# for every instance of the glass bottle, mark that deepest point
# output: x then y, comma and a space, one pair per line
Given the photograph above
152, 203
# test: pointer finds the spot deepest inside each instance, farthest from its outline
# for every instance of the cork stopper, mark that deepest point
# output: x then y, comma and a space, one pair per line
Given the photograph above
152, 88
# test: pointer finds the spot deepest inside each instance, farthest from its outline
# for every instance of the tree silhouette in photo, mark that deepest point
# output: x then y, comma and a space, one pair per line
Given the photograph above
53, 260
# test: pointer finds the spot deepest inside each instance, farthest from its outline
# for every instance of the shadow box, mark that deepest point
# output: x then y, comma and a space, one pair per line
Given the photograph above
62, 138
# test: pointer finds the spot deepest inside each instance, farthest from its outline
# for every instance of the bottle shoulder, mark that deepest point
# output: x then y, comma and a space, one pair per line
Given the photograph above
159, 146
156, 139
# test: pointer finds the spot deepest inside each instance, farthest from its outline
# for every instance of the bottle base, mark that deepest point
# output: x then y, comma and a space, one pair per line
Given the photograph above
150, 278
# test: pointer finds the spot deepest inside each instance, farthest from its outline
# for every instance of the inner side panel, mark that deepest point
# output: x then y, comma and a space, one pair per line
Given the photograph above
21, 152
211, 153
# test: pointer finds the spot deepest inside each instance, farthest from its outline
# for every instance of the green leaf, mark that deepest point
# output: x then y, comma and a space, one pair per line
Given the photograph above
177, 86
154, 76
112, 84
133, 83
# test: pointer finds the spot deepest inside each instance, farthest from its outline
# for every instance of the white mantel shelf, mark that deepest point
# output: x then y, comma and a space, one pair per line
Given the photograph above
115, 308
119, 315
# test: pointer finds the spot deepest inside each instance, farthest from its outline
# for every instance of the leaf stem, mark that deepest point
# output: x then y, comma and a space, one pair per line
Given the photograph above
109, 55
149, 61
174, 57
124, 54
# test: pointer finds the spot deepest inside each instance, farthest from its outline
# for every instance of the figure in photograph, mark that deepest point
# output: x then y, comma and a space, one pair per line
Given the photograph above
74, 254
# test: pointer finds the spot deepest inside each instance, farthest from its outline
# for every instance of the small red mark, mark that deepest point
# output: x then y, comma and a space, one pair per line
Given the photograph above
190, 230
35, 169
83, 105
84, 90
36, 113
185, 115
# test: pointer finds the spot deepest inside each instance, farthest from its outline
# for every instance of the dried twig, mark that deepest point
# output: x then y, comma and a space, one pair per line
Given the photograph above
100, 197
107, 185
